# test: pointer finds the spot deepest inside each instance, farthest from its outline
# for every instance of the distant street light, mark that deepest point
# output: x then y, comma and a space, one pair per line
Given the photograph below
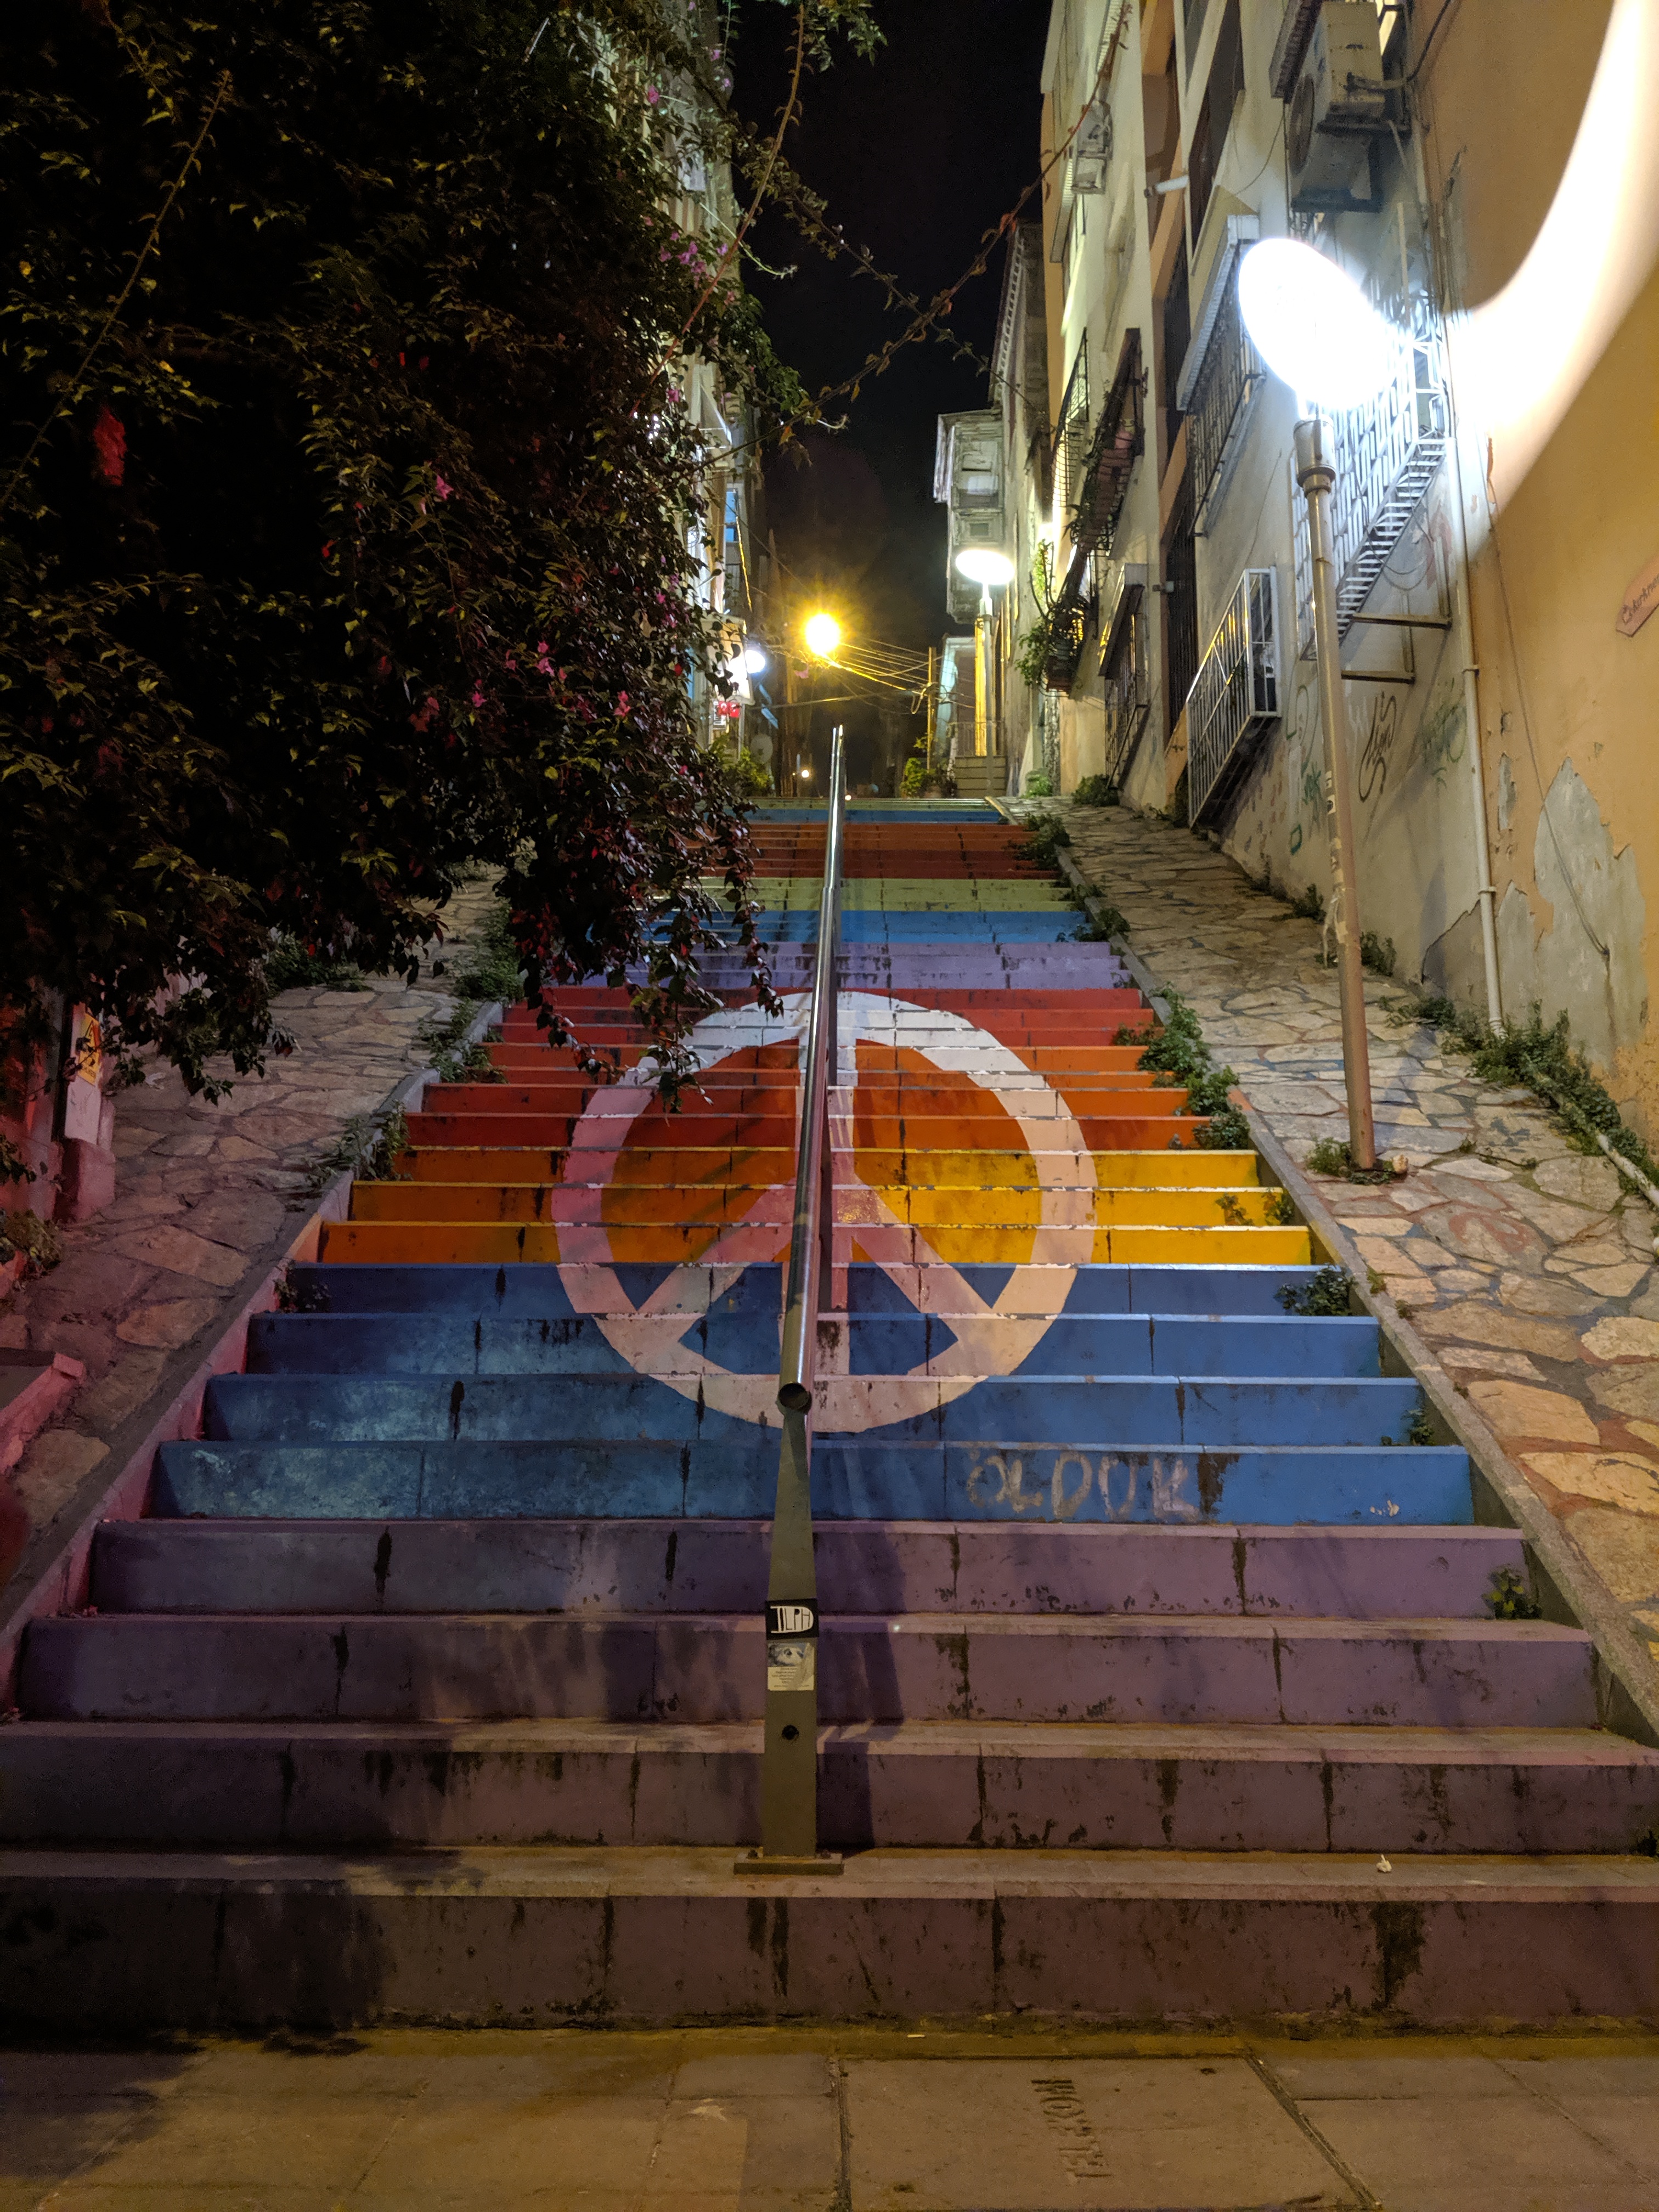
1314, 327
822, 634
755, 659
984, 566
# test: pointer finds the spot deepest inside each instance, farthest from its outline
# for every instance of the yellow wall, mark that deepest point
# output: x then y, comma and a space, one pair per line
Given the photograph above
1569, 708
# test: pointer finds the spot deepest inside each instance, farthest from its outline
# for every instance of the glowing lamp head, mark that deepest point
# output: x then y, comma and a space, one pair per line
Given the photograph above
755, 659
822, 634
1313, 326
981, 564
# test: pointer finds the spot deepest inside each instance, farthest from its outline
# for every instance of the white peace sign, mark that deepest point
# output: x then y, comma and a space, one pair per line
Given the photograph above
992, 1337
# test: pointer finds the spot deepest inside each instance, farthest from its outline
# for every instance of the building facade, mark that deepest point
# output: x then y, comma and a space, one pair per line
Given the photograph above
1499, 668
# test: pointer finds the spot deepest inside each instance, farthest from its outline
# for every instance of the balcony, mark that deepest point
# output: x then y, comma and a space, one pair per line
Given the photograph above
1124, 671
1387, 455
1220, 384
1235, 697
1096, 487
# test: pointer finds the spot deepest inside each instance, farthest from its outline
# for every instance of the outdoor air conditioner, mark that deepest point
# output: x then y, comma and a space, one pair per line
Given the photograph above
1339, 105
1092, 148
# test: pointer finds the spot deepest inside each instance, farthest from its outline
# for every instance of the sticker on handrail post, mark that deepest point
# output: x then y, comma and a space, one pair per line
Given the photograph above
800, 1619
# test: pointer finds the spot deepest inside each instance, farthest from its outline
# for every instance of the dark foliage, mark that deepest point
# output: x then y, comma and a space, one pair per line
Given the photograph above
344, 471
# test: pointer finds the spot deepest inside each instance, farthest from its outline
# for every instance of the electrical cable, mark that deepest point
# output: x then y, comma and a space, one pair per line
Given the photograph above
1446, 7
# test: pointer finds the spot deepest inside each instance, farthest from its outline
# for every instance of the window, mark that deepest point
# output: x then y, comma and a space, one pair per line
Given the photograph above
1076, 232
1215, 116
1174, 337
1192, 26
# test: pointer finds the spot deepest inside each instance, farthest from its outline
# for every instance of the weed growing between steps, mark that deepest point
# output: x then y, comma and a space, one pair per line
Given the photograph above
1329, 1291
295, 1296
1096, 790
367, 1150
1509, 1598
1531, 1056
1044, 835
1179, 1053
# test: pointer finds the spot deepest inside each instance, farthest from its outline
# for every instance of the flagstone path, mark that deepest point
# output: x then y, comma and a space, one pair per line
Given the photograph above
1516, 1255
207, 1197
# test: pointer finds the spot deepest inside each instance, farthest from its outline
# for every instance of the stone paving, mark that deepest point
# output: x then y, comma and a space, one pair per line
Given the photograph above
787, 2121
1513, 1253
207, 1198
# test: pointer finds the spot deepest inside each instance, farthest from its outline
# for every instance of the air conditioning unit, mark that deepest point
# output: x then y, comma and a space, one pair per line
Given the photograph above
1339, 104
1092, 148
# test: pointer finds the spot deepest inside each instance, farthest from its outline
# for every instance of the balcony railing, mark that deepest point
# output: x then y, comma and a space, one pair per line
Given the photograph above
1124, 671
1101, 488
1387, 455
1235, 697
1071, 431
1220, 406
1119, 440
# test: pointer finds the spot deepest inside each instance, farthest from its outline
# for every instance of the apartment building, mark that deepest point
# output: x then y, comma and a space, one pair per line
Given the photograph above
1494, 683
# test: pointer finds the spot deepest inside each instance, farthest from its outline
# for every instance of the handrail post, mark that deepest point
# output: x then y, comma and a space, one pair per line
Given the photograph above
789, 1761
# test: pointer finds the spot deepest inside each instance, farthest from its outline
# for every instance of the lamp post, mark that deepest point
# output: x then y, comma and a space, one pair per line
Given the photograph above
983, 566
1314, 327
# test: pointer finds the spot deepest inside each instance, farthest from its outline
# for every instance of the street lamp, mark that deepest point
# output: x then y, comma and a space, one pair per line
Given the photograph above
755, 659
822, 634
984, 566
1313, 326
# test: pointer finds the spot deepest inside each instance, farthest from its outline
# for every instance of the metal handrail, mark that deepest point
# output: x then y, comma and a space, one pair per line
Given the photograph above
789, 1763
808, 1233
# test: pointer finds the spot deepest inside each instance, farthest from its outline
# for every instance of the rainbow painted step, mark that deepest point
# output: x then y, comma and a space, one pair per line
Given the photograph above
431, 1679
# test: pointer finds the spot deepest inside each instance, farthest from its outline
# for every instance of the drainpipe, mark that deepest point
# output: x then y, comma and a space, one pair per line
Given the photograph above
1487, 893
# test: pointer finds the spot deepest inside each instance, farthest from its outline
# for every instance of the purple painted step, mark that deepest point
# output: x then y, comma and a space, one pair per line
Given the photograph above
233, 1942
916, 1667
929, 1785
721, 1567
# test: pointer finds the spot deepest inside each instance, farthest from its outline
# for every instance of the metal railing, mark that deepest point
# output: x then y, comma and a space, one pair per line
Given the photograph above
1386, 455
789, 1763
1220, 406
1233, 698
1125, 684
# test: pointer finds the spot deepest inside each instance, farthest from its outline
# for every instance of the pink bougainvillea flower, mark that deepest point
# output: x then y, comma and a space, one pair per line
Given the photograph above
652, 94
441, 485
478, 697
109, 445
622, 702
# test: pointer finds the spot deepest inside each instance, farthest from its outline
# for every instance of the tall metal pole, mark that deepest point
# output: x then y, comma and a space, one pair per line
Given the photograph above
1315, 474
789, 1759
982, 673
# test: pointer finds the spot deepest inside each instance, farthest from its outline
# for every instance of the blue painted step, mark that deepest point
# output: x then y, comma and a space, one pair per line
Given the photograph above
747, 1343
1154, 1410
853, 1479
532, 1292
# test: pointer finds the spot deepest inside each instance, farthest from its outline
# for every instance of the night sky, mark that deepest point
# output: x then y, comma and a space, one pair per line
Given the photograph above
917, 153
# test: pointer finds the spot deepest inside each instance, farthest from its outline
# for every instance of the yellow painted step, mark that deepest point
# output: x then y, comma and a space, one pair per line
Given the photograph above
1205, 1248
441, 1243
1160, 1170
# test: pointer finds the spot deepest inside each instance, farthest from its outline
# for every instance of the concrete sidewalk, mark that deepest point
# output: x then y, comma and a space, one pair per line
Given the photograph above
923, 2120
1515, 1254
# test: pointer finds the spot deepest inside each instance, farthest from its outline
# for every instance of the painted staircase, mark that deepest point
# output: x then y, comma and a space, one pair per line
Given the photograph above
430, 1687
